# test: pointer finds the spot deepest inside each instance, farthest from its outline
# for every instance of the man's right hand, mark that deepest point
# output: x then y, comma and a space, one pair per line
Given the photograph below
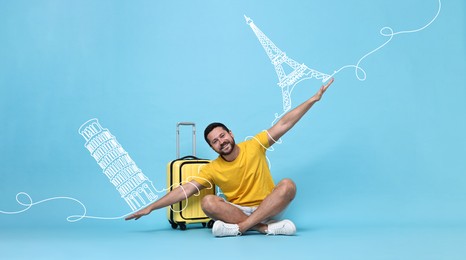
139, 214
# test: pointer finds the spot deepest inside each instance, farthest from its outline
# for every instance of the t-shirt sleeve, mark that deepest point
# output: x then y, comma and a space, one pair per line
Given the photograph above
263, 139
204, 177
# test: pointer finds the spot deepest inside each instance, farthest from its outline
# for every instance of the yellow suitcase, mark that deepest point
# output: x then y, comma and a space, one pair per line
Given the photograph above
180, 171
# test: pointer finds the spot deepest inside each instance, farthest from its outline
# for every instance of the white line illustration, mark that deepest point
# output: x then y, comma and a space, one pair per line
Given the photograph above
72, 218
279, 58
134, 187
301, 72
387, 32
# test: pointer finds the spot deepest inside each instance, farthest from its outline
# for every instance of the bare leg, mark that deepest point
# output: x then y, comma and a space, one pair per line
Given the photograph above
216, 208
272, 205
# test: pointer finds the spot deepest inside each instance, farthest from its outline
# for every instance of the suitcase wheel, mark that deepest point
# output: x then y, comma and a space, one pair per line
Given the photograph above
182, 226
210, 224
173, 224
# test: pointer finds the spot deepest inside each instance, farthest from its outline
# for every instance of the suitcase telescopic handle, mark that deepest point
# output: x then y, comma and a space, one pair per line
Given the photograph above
178, 137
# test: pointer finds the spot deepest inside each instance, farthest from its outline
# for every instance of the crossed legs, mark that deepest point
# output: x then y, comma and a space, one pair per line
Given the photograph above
217, 209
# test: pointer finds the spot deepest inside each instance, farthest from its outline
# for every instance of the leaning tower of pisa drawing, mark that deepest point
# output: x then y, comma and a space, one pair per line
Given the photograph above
134, 187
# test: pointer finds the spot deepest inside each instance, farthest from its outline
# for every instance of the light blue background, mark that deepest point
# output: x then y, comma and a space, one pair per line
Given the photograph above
389, 150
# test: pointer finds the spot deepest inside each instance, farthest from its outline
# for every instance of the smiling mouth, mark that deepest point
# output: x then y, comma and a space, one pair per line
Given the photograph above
225, 146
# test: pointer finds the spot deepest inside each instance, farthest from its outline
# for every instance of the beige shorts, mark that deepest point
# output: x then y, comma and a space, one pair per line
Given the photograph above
249, 210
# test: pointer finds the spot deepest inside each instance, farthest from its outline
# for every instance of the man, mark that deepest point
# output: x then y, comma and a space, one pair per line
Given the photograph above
253, 202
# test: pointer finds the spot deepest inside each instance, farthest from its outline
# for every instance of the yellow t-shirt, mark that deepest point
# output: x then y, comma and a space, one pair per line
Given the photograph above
246, 181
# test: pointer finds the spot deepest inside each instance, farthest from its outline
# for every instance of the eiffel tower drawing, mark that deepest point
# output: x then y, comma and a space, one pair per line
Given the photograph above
278, 58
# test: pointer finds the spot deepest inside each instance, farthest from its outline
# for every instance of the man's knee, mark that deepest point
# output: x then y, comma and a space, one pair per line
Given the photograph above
288, 187
208, 202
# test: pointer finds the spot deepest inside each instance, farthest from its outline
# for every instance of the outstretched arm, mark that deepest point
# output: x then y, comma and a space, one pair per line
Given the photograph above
291, 118
178, 194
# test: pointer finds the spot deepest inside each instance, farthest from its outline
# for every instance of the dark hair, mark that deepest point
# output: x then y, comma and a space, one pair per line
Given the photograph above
211, 127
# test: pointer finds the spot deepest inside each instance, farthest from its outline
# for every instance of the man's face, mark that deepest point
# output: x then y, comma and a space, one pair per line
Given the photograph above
221, 141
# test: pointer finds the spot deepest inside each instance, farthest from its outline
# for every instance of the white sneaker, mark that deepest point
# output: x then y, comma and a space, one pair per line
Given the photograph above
222, 229
283, 227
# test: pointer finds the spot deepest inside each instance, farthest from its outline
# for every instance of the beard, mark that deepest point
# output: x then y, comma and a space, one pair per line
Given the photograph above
229, 145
